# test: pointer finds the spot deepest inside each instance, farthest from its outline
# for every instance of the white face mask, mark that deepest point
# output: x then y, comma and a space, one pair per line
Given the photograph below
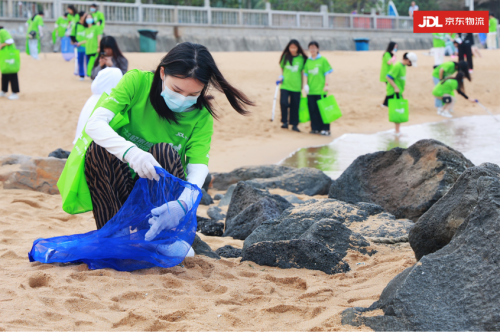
177, 102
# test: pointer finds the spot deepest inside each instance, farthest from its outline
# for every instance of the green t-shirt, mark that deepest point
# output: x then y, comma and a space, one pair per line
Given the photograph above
493, 24
447, 87
438, 40
78, 32
191, 137
34, 23
62, 24
91, 36
398, 73
99, 17
448, 67
385, 66
4, 36
316, 71
292, 74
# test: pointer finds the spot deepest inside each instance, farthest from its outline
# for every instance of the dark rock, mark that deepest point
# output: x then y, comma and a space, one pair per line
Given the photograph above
215, 213
244, 223
438, 225
227, 196
384, 225
455, 288
60, 154
293, 199
295, 222
209, 227
201, 248
307, 181
206, 184
218, 197
296, 254
206, 199
222, 181
405, 182
228, 252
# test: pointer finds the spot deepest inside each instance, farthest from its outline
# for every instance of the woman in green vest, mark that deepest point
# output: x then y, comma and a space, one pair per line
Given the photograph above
93, 35
170, 125
99, 18
388, 59
317, 72
60, 28
445, 91
443, 71
292, 63
7, 44
33, 38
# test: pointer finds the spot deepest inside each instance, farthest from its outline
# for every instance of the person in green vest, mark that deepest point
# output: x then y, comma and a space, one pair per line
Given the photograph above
7, 43
292, 63
438, 47
170, 114
78, 36
98, 16
388, 60
396, 79
60, 28
317, 72
443, 71
35, 33
93, 35
491, 39
445, 91
73, 15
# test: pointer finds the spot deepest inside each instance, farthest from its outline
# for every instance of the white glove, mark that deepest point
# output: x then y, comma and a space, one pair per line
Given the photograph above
306, 89
164, 217
143, 163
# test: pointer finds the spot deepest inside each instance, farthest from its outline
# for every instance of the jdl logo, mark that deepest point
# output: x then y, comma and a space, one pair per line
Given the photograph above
427, 22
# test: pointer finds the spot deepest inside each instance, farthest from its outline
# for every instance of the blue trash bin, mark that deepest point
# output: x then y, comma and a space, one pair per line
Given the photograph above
362, 44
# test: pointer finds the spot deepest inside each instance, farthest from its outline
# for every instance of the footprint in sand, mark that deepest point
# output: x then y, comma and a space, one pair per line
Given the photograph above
28, 202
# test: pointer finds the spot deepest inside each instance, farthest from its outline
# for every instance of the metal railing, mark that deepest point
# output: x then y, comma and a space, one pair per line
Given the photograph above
137, 12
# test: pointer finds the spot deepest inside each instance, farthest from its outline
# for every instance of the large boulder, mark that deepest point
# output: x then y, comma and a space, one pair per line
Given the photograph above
405, 182
222, 181
323, 217
307, 181
296, 254
36, 174
455, 288
438, 225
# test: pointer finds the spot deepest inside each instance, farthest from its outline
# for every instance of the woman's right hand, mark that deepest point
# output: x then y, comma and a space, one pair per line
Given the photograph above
143, 163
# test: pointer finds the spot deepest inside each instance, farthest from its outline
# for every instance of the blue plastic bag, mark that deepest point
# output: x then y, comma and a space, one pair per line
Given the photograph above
67, 50
120, 244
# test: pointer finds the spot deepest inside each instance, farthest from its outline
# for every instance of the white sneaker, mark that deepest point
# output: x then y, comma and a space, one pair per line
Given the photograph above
439, 110
13, 96
82, 78
446, 114
175, 249
3, 94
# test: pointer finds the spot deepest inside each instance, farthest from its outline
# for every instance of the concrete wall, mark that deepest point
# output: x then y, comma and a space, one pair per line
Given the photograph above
221, 39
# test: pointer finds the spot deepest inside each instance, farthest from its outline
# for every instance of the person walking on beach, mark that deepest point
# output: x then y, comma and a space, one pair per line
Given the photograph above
443, 71
445, 91
98, 16
465, 42
412, 8
6, 44
170, 125
396, 79
491, 39
35, 33
59, 32
317, 72
388, 60
78, 36
438, 47
110, 57
292, 63
93, 35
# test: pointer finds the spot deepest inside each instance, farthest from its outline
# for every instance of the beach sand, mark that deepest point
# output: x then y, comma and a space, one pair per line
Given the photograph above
203, 294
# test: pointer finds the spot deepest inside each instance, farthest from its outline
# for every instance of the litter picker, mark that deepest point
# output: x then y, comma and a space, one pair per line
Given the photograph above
275, 97
484, 108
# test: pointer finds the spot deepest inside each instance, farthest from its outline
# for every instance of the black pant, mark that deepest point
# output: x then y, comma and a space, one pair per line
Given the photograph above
386, 100
14, 83
290, 100
465, 49
316, 121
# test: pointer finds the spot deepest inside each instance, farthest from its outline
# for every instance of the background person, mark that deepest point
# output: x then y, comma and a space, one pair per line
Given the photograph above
491, 39
412, 8
35, 33
388, 60
110, 56
465, 42
78, 36
292, 62
98, 16
60, 28
444, 90
317, 71
443, 71
93, 35
438, 47
7, 43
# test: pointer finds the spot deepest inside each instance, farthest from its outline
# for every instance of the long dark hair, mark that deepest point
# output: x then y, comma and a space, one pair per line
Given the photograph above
463, 67
390, 47
72, 7
287, 55
110, 42
460, 79
189, 60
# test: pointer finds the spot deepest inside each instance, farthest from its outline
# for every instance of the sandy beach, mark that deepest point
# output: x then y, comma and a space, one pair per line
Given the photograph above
202, 294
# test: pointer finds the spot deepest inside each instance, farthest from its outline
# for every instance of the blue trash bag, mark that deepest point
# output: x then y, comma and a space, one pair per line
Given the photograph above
120, 244
67, 49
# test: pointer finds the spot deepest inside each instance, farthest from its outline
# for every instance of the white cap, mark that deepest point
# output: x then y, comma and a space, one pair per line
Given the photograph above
413, 58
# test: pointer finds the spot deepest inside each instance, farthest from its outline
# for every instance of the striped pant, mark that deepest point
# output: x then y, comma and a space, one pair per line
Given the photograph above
110, 181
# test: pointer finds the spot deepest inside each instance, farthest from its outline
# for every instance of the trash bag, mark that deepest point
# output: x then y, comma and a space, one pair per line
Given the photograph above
120, 244
67, 49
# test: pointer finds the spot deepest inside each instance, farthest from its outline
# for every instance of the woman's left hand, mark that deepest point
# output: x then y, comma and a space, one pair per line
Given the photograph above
164, 217
326, 87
